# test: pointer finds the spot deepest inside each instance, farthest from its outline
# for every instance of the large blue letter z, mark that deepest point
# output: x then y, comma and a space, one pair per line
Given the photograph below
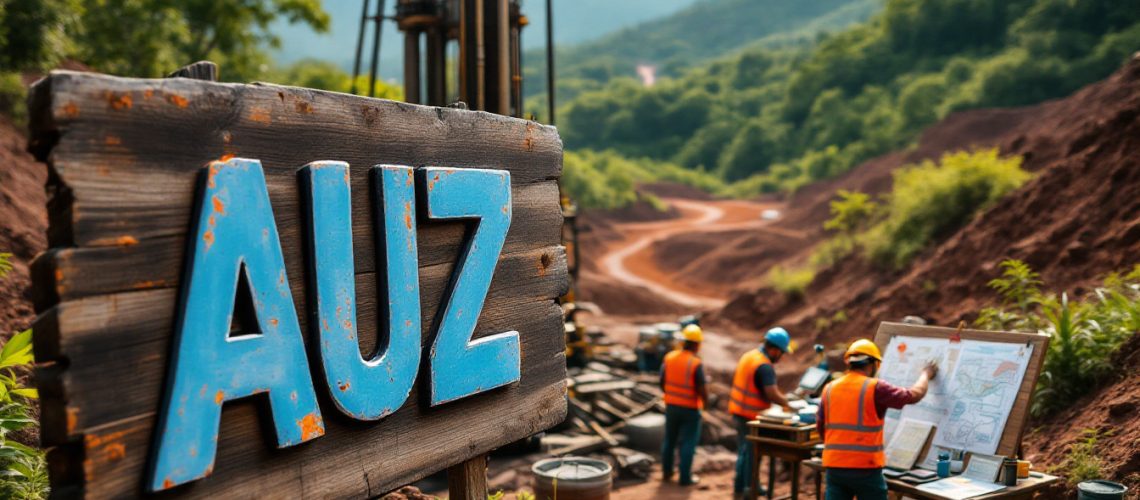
461, 367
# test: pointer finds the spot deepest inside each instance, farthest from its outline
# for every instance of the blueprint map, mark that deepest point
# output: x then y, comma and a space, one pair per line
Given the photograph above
970, 399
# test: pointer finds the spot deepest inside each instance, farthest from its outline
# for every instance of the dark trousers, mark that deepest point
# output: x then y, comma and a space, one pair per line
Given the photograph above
743, 478
682, 433
864, 484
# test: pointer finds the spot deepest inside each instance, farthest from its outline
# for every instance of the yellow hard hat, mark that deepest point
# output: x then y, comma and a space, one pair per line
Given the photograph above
692, 333
864, 347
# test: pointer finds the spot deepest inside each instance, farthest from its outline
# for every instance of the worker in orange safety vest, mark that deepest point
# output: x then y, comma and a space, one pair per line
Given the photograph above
683, 382
850, 421
753, 391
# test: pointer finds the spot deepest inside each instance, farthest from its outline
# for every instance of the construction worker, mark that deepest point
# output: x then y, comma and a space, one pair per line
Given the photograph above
850, 421
683, 381
753, 391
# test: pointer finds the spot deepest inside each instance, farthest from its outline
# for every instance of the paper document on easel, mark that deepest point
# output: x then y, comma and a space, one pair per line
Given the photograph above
906, 445
983, 387
903, 361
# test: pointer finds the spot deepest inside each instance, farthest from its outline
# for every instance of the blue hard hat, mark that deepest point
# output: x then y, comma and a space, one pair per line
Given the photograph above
779, 337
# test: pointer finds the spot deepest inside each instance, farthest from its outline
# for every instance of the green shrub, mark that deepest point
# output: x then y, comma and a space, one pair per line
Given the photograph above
790, 281
1082, 463
1084, 333
930, 200
25, 473
850, 212
606, 180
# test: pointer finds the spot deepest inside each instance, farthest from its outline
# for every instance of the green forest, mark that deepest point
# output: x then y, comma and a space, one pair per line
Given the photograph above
151, 38
688, 38
774, 119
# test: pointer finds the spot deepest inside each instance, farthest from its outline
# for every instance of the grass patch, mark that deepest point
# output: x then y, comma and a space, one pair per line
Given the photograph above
791, 281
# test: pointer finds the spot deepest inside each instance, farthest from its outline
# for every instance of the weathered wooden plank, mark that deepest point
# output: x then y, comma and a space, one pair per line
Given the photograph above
134, 327
125, 158
106, 132
118, 451
157, 262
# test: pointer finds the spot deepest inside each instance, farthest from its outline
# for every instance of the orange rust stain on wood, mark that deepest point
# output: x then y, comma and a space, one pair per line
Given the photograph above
408, 214
260, 115
273, 321
208, 238
226, 157
167, 484
112, 140
344, 387
96, 440
72, 420
528, 138
147, 94
147, 284
71, 110
104, 170
114, 452
219, 206
219, 397
177, 100
59, 275
126, 241
119, 102
311, 427
303, 107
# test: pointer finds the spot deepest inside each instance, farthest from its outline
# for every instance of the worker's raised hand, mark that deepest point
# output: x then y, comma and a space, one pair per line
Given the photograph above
931, 369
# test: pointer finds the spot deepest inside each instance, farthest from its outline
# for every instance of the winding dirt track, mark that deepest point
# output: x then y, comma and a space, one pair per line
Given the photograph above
631, 261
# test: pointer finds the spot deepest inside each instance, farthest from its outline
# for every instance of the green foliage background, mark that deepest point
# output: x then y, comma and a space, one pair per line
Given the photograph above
151, 38
776, 118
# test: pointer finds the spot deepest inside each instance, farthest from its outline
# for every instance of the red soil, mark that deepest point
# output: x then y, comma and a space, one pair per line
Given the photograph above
23, 225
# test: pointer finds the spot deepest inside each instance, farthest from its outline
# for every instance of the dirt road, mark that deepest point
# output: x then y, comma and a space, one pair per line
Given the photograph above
631, 262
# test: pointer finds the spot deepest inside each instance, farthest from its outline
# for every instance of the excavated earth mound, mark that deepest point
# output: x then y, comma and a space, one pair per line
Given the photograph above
1075, 221
23, 225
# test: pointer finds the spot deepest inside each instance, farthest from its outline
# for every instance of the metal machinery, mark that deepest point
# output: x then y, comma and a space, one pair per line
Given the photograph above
487, 71
484, 72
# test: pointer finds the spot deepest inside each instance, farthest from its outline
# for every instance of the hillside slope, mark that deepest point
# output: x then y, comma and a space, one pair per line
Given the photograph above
1077, 220
23, 225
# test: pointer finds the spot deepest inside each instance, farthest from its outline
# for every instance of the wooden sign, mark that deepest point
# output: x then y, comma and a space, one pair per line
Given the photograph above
1010, 442
255, 290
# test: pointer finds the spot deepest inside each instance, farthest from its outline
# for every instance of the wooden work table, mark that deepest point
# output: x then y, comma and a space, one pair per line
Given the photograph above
1025, 489
792, 443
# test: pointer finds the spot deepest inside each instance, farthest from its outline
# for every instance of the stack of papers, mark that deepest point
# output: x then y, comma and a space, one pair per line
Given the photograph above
978, 479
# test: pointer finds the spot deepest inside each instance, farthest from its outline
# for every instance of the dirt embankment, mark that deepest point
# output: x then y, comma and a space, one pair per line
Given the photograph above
23, 225
1075, 221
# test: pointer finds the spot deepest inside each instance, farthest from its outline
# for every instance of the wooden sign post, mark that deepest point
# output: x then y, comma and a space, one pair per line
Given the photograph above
256, 290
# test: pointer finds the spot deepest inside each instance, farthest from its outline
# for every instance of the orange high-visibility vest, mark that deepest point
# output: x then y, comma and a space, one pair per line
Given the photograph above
680, 366
745, 399
853, 431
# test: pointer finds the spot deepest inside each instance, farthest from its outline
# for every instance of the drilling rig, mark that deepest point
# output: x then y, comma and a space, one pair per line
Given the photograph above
468, 54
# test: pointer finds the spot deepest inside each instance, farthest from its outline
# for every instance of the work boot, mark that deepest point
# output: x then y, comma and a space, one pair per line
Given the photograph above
695, 480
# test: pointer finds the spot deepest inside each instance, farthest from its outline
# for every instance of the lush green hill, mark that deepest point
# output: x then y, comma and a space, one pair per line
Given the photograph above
780, 118
674, 43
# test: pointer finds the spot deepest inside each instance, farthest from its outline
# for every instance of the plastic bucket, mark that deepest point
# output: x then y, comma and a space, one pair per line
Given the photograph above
572, 478
1098, 489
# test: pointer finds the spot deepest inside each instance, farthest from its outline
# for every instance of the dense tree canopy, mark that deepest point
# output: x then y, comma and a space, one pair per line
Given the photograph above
794, 114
